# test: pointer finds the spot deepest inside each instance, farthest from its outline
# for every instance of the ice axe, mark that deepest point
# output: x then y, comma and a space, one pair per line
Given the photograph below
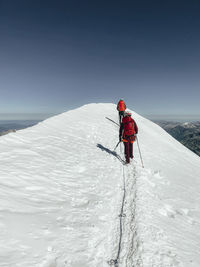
117, 145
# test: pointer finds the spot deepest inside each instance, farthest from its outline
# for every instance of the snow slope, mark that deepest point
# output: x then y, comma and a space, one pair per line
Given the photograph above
62, 189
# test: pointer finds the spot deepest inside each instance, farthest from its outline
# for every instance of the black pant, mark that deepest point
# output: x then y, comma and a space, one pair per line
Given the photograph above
121, 115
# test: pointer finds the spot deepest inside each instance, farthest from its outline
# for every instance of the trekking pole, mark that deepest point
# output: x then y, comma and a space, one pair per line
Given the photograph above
139, 152
117, 145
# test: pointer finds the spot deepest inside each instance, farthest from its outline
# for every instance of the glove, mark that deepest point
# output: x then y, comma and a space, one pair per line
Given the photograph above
120, 138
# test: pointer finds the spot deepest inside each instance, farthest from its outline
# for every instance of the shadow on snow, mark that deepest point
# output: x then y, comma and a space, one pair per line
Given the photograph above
111, 152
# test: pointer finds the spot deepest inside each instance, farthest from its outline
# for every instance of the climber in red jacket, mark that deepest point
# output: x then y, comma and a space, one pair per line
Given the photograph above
127, 134
121, 107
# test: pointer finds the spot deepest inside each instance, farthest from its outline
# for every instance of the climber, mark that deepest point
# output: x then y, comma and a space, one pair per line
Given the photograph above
127, 134
121, 107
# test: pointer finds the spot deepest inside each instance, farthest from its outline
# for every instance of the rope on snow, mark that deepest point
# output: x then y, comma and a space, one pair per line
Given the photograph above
115, 262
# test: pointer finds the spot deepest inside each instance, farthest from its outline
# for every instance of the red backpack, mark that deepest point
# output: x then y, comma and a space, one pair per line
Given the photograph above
129, 126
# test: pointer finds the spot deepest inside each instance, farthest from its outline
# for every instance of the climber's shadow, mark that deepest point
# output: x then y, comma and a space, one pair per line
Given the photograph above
111, 152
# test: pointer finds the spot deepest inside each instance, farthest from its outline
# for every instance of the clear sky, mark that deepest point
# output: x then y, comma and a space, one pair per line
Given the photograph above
58, 55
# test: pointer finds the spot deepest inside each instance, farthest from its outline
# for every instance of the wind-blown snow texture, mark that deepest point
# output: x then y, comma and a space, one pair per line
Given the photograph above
61, 189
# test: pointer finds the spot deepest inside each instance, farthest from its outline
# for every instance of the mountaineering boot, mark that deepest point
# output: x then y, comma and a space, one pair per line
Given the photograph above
127, 160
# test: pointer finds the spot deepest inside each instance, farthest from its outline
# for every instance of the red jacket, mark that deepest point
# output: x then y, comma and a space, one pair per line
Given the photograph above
128, 127
121, 106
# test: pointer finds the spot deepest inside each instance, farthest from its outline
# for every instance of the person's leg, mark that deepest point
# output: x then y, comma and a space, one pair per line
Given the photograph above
131, 150
120, 118
126, 151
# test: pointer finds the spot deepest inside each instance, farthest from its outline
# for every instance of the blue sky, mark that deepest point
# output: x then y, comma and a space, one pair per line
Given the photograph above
58, 55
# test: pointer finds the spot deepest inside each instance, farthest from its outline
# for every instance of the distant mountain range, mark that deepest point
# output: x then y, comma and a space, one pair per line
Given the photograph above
187, 133
14, 125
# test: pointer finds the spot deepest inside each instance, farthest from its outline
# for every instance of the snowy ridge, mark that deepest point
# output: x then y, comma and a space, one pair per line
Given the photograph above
61, 189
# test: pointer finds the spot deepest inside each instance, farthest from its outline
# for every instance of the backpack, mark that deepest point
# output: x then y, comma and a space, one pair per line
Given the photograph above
129, 126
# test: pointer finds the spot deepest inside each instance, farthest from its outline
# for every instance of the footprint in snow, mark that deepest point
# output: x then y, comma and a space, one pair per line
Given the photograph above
50, 261
168, 211
160, 178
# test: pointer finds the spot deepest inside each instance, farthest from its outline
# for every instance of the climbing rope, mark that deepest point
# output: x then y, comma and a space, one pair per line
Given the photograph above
115, 262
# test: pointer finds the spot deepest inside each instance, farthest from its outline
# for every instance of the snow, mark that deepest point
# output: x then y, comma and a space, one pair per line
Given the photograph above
62, 186
188, 125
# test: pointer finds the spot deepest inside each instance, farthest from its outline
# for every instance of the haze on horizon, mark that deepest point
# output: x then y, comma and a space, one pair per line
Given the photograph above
6, 117
59, 55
